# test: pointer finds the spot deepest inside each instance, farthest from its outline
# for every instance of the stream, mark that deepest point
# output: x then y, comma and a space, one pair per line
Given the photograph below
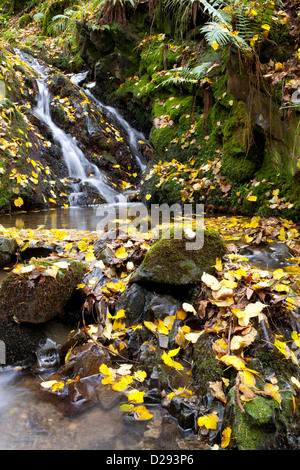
29, 422
26, 420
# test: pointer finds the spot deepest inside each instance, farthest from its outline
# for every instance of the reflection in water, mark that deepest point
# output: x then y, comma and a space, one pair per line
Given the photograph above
74, 218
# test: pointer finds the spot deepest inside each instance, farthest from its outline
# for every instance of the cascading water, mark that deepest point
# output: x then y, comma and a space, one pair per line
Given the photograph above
134, 136
78, 166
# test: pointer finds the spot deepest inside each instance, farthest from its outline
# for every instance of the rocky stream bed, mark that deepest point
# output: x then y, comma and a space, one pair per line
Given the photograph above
166, 354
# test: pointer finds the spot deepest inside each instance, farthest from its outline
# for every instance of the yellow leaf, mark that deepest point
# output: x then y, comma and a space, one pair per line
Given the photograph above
161, 327
167, 358
136, 397
235, 362
90, 256
209, 421
140, 375
141, 413
218, 264
251, 310
180, 392
121, 253
151, 326
282, 288
51, 271
266, 27
296, 338
211, 281
118, 325
226, 435
189, 308
119, 314
252, 198
123, 383
273, 390
282, 234
278, 67
148, 196
49, 383
215, 45
181, 314
278, 273
254, 39
18, 202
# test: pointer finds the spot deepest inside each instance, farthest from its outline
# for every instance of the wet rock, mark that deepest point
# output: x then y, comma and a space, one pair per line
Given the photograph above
84, 361
108, 398
8, 247
48, 356
263, 424
38, 298
75, 337
134, 301
153, 396
102, 241
171, 251
184, 412
74, 397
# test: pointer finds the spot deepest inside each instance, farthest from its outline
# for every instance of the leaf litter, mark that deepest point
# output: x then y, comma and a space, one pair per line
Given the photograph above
232, 304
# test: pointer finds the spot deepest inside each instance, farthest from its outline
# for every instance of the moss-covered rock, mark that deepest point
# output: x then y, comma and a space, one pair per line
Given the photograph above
262, 425
41, 293
207, 368
170, 262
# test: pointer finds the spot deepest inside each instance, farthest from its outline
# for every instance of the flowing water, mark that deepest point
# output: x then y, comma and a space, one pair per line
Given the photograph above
135, 137
28, 422
77, 164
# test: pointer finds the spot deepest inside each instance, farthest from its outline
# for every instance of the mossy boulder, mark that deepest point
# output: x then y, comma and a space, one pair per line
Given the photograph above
177, 260
8, 247
40, 294
263, 425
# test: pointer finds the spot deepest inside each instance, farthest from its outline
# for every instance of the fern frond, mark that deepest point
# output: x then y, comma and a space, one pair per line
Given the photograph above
222, 34
186, 75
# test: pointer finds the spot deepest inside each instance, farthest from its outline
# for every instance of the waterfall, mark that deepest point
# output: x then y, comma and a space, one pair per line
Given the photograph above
78, 166
134, 136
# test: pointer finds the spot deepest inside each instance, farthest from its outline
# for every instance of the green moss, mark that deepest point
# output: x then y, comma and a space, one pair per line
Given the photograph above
262, 424
171, 250
35, 302
25, 20
206, 368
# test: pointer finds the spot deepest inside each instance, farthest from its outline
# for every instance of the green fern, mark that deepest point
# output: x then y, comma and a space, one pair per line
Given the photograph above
186, 75
222, 35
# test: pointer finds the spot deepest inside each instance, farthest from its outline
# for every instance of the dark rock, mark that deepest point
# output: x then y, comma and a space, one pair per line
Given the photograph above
134, 301
108, 398
161, 306
74, 397
21, 342
84, 361
8, 247
153, 396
